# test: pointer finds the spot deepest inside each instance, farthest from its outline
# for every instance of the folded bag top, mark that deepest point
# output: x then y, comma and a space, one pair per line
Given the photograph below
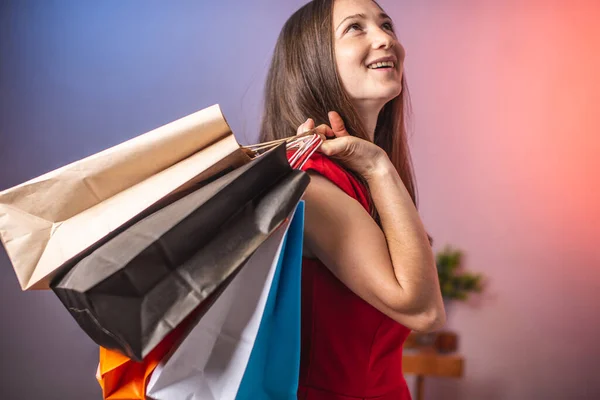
53, 218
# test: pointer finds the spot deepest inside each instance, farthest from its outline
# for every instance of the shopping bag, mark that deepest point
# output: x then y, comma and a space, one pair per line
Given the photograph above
132, 291
273, 369
210, 363
122, 378
53, 218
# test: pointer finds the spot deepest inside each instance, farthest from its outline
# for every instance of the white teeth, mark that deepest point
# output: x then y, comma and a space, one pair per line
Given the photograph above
381, 64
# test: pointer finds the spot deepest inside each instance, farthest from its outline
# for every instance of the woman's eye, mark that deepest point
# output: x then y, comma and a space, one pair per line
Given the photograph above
354, 26
388, 26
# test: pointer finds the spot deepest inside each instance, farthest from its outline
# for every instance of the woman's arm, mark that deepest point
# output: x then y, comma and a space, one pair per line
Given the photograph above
408, 244
394, 269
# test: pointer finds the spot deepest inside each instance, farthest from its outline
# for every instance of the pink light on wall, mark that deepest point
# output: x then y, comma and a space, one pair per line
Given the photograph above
506, 147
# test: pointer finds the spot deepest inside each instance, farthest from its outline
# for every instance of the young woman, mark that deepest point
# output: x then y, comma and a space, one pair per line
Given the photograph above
369, 273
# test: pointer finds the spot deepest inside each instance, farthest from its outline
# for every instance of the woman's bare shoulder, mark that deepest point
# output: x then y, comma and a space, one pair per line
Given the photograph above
342, 234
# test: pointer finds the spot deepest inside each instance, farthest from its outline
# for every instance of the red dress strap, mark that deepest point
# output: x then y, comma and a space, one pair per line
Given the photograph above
340, 176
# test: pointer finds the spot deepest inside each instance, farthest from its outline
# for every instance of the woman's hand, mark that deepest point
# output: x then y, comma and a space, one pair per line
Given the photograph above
361, 156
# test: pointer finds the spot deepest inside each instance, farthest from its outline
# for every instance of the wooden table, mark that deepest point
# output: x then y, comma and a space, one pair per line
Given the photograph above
424, 362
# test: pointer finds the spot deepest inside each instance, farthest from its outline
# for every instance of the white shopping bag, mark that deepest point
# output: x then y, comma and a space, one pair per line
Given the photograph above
210, 363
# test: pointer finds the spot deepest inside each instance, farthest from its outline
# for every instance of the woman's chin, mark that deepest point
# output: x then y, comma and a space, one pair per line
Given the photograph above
377, 98
389, 93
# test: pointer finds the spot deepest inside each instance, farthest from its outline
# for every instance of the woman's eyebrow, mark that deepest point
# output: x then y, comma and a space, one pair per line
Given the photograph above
363, 16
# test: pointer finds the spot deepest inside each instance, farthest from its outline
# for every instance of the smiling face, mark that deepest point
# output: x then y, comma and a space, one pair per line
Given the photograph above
368, 56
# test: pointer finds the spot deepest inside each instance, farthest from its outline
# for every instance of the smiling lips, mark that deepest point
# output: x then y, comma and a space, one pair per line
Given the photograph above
382, 64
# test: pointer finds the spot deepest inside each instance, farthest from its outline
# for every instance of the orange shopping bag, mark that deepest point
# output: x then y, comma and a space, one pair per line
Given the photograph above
122, 378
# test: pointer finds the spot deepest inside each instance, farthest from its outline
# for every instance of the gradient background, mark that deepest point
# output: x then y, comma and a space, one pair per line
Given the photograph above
506, 99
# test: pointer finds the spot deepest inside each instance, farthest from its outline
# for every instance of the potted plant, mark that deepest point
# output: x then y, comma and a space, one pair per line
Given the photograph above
456, 285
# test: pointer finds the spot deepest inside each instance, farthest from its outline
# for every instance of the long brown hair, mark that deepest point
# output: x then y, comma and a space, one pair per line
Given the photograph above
303, 82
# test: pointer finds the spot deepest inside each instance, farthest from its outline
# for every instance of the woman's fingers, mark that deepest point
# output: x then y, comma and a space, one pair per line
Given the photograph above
339, 147
324, 130
336, 131
306, 126
301, 128
337, 124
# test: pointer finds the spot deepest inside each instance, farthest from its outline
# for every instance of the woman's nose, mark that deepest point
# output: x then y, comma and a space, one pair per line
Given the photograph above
381, 39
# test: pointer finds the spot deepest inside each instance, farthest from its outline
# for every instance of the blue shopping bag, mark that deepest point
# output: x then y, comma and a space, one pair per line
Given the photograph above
273, 367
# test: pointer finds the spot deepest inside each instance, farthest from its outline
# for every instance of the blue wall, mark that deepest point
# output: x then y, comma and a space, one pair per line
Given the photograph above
77, 77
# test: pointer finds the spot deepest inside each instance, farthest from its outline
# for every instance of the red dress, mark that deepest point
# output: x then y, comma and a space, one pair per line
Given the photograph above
349, 349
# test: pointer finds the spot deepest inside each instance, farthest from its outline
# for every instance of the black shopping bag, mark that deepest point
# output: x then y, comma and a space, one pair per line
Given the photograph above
129, 293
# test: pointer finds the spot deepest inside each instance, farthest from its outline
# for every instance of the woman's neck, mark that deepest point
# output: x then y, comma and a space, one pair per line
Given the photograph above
368, 115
